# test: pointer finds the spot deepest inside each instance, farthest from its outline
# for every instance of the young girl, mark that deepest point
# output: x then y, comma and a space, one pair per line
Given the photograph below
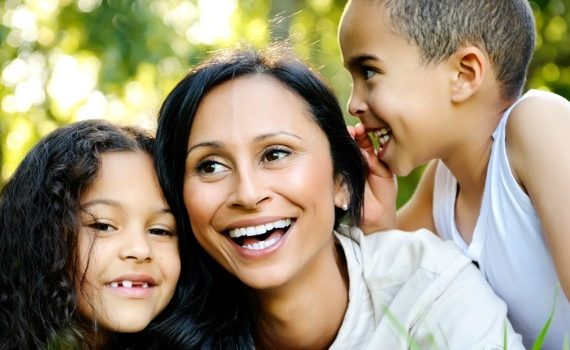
253, 150
88, 245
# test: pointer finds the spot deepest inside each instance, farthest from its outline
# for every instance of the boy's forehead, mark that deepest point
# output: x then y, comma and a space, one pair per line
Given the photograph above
362, 27
358, 16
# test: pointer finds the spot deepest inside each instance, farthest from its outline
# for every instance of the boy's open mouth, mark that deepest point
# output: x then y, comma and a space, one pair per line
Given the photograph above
261, 236
383, 135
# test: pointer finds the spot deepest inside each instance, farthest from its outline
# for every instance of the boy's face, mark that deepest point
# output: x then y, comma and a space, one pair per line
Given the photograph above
402, 102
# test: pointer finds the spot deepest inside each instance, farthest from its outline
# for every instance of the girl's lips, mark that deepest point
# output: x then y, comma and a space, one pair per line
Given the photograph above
134, 286
134, 292
136, 279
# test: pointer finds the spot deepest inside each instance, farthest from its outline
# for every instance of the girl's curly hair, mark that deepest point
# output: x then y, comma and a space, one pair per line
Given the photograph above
39, 223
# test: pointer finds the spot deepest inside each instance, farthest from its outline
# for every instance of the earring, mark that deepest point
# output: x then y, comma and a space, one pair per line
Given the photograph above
345, 207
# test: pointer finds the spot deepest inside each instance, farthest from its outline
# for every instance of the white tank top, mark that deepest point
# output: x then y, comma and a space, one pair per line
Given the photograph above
508, 244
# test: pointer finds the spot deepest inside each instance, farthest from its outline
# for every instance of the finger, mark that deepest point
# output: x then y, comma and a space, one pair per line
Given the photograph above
375, 166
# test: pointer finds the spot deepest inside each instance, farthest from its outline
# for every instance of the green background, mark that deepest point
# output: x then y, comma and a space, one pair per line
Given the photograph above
65, 60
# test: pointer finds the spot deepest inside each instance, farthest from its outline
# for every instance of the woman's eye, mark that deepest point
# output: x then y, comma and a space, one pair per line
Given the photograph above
275, 154
210, 167
101, 226
161, 232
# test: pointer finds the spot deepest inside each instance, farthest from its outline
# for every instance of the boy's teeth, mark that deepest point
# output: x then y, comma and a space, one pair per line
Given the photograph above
127, 284
259, 229
383, 136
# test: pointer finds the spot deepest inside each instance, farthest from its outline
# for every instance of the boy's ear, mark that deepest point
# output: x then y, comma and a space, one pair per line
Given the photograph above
469, 68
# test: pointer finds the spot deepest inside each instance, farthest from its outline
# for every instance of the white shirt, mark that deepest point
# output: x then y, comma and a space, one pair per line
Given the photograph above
413, 288
508, 244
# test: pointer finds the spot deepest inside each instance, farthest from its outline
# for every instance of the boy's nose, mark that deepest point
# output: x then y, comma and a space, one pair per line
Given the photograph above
356, 105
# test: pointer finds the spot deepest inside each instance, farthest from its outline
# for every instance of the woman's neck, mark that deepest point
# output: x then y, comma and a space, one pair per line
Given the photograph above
308, 312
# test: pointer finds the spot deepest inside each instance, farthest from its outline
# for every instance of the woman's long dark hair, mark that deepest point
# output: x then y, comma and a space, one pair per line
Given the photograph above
227, 305
39, 222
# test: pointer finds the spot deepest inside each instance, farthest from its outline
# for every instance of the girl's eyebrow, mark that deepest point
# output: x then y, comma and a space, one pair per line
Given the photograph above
214, 144
110, 202
117, 204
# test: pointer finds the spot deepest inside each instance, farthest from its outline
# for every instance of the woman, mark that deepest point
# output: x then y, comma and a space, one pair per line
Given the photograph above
253, 153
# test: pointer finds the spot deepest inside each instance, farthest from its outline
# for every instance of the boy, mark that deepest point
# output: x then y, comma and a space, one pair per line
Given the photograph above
442, 80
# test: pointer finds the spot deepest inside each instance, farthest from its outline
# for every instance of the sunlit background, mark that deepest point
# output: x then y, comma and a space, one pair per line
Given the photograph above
67, 60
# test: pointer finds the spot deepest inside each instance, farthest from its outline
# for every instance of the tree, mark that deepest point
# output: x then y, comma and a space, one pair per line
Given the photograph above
117, 59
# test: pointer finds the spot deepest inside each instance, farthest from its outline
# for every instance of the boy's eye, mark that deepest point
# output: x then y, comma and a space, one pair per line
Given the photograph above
368, 73
275, 154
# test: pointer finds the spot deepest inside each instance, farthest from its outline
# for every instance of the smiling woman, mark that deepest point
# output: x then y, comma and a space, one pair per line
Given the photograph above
254, 157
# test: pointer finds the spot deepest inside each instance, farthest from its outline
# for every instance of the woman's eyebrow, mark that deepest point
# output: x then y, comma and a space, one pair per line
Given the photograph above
209, 144
216, 144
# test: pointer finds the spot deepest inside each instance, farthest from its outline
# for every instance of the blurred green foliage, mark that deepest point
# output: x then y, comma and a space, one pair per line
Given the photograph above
63, 60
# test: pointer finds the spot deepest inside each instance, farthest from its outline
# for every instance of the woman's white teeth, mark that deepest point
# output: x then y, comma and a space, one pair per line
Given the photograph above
259, 229
262, 244
128, 284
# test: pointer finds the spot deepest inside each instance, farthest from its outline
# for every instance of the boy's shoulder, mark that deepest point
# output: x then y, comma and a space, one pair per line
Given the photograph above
538, 115
539, 102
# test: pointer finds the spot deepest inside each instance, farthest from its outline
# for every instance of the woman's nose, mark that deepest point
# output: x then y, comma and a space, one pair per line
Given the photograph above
249, 191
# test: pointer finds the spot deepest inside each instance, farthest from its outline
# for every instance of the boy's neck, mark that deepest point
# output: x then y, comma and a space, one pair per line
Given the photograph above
470, 158
309, 313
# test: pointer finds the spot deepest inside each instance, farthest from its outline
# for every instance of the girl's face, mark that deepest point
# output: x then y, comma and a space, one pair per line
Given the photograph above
128, 248
259, 185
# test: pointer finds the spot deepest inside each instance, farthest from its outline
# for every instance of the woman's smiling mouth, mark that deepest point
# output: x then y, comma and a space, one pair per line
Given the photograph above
262, 236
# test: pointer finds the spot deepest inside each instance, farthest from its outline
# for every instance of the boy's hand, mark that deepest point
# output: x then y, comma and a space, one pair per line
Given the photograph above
381, 188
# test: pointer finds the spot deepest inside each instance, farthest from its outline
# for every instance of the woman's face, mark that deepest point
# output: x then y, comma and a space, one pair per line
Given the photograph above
259, 185
128, 248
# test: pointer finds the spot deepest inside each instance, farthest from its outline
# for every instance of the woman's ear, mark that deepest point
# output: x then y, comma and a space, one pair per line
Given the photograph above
470, 66
341, 195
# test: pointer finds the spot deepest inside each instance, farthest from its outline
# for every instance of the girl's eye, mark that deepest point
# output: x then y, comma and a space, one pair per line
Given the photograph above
276, 153
161, 232
210, 167
101, 226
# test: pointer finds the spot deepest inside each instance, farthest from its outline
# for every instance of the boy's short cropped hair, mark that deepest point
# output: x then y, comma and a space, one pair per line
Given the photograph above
504, 29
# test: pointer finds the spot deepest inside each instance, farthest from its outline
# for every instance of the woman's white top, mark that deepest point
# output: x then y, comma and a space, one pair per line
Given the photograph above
414, 291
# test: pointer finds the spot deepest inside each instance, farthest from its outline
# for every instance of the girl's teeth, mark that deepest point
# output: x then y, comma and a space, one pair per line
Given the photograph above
127, 284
